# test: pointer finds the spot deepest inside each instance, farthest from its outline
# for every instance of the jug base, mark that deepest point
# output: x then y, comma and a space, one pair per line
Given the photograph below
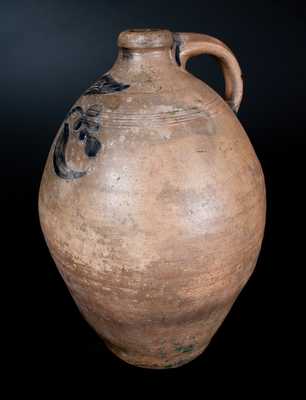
149, 362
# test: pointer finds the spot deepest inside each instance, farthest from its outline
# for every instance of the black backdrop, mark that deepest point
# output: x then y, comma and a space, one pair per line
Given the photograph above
51, 51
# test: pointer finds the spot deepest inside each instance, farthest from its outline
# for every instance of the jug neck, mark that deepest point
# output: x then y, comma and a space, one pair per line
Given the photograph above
138, 47
144, 56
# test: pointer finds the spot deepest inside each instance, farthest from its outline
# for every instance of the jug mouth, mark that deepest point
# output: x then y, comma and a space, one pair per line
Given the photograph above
145, 38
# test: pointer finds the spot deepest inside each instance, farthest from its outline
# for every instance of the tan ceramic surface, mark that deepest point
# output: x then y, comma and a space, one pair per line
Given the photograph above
161, 232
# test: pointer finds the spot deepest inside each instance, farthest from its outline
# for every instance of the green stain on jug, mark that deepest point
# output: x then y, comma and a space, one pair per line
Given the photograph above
177, 363
162, 354
184, 349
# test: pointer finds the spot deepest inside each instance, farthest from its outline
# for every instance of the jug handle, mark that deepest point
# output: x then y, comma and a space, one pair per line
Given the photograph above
188, 45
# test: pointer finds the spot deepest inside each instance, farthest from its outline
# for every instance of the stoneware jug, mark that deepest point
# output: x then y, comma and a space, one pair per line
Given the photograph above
152, 201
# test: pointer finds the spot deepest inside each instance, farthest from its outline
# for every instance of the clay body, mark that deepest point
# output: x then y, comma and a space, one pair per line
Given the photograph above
152, 201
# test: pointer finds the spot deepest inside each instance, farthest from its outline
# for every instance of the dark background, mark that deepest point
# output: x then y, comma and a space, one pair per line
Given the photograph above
50, 52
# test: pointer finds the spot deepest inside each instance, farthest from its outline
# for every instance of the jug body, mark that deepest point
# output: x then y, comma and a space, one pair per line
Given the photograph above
152, 201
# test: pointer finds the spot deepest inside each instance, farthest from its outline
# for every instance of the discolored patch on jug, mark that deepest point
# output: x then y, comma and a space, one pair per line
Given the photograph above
105, 85
184, 349
84, 126
177, 48
59, 160
126, 54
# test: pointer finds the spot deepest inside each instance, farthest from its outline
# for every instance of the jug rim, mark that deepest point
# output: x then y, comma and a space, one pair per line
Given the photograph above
145, 38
